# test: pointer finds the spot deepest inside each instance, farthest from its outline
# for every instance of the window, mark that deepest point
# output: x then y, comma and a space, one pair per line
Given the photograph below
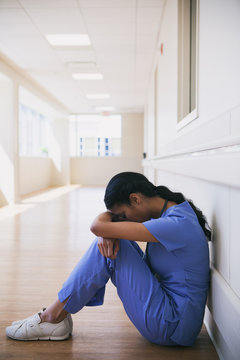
33, 132
95, 135
187, 60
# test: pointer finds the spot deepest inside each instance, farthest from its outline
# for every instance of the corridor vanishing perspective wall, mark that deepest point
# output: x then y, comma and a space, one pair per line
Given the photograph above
25, 174
202, 158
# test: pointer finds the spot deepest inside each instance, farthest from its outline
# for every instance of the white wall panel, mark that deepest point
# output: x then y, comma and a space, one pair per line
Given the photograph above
132, 135
59, 152
149, 172
150, 119
222, 318
219, 56
166, 179
98, 171
202, 159
206, 133
234, 240
213, 200
35, 174
235, 121
7, 140
167, 78
221, 230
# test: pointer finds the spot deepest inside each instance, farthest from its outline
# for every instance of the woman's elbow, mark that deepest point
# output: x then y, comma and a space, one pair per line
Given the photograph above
95, 229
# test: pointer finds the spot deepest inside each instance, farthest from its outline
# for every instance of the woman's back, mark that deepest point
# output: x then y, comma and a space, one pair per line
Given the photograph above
181, 263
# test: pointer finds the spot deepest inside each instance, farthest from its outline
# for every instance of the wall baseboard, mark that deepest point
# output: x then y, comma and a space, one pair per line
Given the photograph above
222, 317
213, 332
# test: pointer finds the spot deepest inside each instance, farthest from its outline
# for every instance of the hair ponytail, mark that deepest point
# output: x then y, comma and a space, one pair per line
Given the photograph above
178, 197
122, 185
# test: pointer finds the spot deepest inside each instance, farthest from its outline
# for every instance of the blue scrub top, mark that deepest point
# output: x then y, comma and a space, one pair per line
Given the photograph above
181, 260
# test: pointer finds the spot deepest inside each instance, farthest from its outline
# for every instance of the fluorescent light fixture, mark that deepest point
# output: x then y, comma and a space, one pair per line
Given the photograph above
80, 65
105, 108
68, 39
84, 76
98, 96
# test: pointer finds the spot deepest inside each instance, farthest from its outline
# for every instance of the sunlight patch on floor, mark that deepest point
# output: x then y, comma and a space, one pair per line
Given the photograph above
31, 200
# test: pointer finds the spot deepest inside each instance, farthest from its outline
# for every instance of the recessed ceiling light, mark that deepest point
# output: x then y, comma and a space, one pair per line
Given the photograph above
84, 76
98, 96
68, 39
105, 108
79, 65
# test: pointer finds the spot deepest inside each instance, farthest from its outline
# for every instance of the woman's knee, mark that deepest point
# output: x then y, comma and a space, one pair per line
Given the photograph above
129, 248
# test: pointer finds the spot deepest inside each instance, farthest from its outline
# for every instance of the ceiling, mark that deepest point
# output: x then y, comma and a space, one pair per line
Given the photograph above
123, 36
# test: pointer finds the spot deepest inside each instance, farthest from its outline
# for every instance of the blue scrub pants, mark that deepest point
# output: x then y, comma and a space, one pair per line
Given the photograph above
140, 292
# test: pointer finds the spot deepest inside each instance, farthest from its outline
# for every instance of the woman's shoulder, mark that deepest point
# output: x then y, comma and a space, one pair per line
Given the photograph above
183, 210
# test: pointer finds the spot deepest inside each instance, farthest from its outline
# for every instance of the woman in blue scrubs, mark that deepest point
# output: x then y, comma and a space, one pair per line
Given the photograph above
163, 290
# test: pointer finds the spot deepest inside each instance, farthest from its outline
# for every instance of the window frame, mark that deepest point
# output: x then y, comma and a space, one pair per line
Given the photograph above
185, 65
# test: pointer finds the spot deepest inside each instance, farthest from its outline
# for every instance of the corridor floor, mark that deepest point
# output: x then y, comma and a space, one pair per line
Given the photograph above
41, 239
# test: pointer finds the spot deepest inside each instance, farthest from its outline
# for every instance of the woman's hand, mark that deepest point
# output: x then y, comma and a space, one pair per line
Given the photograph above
108, 247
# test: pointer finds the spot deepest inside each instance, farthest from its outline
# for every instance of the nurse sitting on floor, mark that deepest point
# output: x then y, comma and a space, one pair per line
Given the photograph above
163, 290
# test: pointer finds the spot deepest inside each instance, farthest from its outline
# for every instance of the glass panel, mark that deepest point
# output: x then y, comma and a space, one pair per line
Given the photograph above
187, 68
95, 135
33, 132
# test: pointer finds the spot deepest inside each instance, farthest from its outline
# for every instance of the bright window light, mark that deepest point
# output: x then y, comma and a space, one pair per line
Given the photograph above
98, 96
84, 76
105, 108
95, 135
68, 39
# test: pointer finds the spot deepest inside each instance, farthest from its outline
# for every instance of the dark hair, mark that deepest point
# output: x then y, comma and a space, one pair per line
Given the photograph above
123, 184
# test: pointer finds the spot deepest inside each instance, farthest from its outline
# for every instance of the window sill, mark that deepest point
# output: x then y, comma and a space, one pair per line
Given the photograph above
185, 121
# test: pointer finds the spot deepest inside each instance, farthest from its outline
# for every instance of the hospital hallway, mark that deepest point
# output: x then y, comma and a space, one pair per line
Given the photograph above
90, 89
41, 239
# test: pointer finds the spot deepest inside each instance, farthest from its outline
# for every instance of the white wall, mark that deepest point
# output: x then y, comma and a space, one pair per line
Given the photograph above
7, 141
20, 176
99, 170
59, 151
202, 159
38, 173
35, 174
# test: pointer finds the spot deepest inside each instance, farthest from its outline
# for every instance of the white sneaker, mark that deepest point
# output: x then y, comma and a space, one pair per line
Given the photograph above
28, 318
33, 329
40, 312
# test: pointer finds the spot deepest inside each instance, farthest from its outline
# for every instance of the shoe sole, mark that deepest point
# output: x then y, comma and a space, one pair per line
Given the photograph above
53, 338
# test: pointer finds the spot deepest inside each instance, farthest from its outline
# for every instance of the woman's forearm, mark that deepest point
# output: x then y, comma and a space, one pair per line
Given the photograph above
102, 219
104, 227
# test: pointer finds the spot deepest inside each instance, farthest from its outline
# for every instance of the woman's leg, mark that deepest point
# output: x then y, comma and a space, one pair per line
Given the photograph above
56, 312
142, 295
140, 292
